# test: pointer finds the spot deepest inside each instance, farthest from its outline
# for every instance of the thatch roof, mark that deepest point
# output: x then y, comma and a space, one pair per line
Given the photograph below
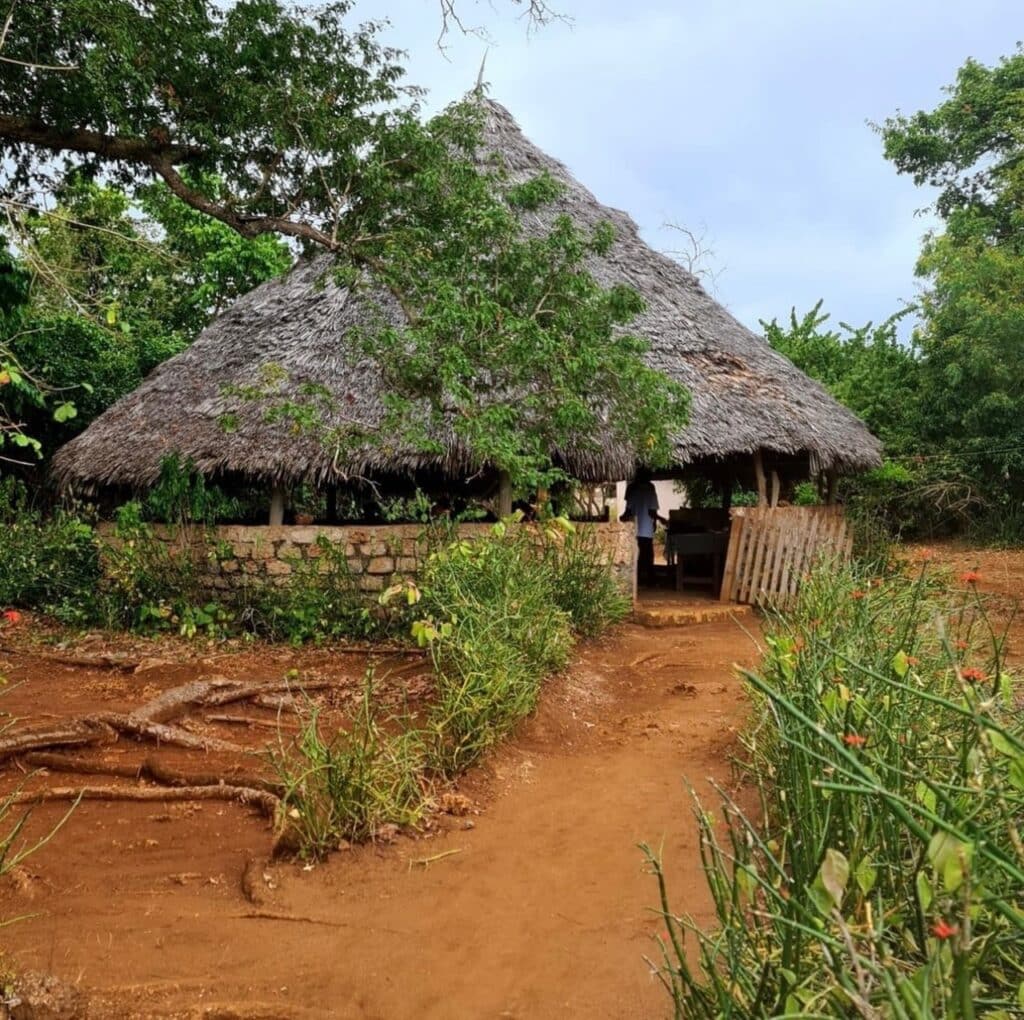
745, 396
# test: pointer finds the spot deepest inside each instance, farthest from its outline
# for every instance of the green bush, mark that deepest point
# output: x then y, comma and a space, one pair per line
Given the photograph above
584, 585
51, 564
150, 584
320, 601
495, 630
884, 873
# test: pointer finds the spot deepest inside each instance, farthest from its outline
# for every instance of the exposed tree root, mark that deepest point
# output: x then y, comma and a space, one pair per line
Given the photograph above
78, 733
177, 701
134, 726
267, 803
151, 768
113, 661
245, 720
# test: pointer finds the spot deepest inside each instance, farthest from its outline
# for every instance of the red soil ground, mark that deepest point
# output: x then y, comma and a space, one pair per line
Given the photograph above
535, 905
543, 910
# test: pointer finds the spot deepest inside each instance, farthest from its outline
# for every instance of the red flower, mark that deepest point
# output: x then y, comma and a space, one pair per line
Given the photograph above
942, 930
857, 594
854, 740
962, 645
970, 577
799, 644
12, 616
924, 555
972, 674
913, 660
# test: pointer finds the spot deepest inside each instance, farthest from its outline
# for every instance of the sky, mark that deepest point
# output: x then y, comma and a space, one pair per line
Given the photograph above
746, 121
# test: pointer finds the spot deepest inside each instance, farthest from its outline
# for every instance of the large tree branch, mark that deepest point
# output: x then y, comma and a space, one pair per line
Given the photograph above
247, 224
94, 143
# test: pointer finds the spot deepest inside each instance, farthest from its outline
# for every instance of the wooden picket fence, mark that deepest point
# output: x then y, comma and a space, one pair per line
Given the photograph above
771, 548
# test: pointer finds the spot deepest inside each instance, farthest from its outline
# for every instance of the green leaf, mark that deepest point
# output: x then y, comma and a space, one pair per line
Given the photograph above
924, 890
832, 877
900, 664
64, 412
925, 796
1002, 745
866, 875
1017, 773
950, 857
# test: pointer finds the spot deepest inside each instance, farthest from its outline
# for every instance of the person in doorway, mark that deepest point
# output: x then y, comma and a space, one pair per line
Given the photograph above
642, 506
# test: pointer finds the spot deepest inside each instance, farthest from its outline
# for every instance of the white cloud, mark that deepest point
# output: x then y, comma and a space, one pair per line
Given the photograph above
746, 116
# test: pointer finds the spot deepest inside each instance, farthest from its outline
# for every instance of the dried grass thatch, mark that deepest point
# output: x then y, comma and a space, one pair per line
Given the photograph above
745, 396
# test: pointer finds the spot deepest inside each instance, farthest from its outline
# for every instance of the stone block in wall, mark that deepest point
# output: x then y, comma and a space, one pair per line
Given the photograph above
229, 566
369, 582
407, 563
303, 536
278, 568
262, 550
289, 551
381, 565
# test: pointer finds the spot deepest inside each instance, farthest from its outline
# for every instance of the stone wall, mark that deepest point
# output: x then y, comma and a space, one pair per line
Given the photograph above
376, 554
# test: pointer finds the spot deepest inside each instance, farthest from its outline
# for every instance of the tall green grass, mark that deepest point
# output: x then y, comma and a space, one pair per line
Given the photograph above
346, 785
882, 873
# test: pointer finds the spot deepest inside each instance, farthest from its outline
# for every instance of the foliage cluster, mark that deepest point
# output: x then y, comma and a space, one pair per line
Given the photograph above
47, 562
348, 785
949, 405
884, 873
321, 601
499, 615
267, 119
107, 288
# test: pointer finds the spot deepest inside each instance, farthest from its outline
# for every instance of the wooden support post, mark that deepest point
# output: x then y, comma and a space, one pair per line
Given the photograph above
726, 492
776, 487
277, 505
830, 488
543, 499
504, 494
762, 482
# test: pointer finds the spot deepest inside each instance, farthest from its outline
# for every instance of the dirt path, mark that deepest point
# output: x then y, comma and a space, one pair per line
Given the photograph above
542, 912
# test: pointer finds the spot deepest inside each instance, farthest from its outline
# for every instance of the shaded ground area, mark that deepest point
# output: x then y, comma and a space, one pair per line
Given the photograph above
528, 901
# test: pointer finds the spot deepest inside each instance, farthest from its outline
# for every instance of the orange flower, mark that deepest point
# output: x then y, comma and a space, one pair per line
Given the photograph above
961, 645
854, 740
942, 930
924, 555
799, 644
913, 660
972, 674
857, 594
12, 616
970, 577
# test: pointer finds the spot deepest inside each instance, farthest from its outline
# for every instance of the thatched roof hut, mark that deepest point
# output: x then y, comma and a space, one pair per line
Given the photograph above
745, 396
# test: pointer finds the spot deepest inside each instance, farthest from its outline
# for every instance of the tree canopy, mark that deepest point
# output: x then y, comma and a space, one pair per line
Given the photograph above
971, 332
297, 123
